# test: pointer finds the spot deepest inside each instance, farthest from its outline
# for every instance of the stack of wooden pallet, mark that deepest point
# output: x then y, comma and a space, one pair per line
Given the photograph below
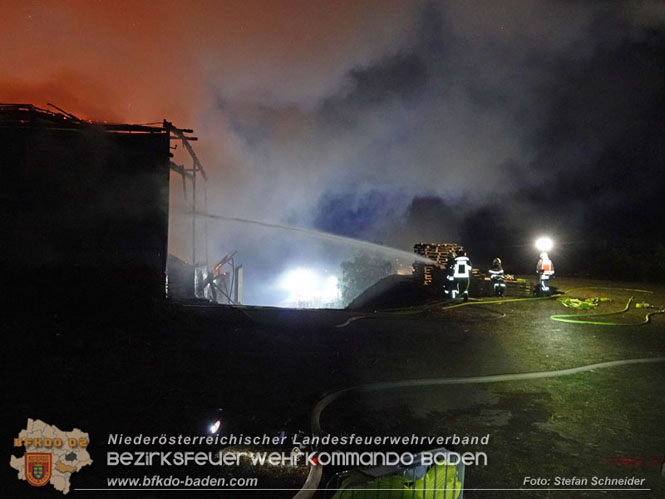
432, 275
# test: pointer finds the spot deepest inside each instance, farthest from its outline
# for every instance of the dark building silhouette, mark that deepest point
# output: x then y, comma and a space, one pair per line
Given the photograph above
84, 207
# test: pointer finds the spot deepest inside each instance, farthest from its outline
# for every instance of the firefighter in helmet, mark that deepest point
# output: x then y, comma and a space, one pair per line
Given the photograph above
497, 277
461, 275
545, 270
449, 284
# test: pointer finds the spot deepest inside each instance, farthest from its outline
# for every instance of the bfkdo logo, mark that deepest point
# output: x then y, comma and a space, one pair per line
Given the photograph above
51, 455
38, 468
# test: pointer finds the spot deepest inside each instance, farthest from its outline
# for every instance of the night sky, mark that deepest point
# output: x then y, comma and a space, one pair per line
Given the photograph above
482, 122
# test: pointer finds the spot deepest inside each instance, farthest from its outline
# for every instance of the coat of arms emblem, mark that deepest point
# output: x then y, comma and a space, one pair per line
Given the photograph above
38, 468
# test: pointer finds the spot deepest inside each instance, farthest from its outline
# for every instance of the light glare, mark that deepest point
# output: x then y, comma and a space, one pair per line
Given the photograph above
301, 282
309, 288
544, 244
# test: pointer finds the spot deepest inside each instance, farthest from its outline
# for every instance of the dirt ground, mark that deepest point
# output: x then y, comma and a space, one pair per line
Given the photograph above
168, 369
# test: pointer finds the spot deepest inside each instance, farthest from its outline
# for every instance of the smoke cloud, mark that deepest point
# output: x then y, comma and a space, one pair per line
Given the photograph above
480, 122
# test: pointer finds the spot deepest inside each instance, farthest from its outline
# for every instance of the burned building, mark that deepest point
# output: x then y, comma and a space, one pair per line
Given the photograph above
85, 206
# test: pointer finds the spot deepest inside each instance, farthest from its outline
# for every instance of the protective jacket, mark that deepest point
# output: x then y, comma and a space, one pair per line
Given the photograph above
496, 273
462, 267
545, 266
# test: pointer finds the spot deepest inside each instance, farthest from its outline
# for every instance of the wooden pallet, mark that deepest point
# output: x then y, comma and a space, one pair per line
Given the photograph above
434, 274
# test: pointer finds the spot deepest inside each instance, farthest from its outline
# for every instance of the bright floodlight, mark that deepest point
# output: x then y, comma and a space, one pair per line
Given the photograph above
309, 287
544, 244
215, 426
301, 283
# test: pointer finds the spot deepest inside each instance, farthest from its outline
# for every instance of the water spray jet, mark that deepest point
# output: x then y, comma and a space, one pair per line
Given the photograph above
365, 245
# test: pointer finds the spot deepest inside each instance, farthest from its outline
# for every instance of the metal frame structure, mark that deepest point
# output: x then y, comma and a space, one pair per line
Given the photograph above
28, 115
180, 134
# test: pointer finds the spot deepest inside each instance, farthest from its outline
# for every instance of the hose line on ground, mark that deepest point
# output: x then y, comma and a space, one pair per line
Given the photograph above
581, 318
402, 312
575, 318
578, 318
316, 471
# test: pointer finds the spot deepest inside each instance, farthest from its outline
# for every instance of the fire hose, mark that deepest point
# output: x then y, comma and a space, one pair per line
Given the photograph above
568, 318
580, 318
316, 470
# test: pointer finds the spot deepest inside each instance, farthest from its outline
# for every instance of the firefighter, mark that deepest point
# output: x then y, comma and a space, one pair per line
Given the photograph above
497, 277
545, 270
461, 275
450, 270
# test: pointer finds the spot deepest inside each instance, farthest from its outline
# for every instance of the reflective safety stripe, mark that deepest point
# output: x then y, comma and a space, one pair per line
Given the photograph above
462, 267
496, 275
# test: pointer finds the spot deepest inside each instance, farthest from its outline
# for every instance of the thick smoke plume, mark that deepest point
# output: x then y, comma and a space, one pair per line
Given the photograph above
480, 122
